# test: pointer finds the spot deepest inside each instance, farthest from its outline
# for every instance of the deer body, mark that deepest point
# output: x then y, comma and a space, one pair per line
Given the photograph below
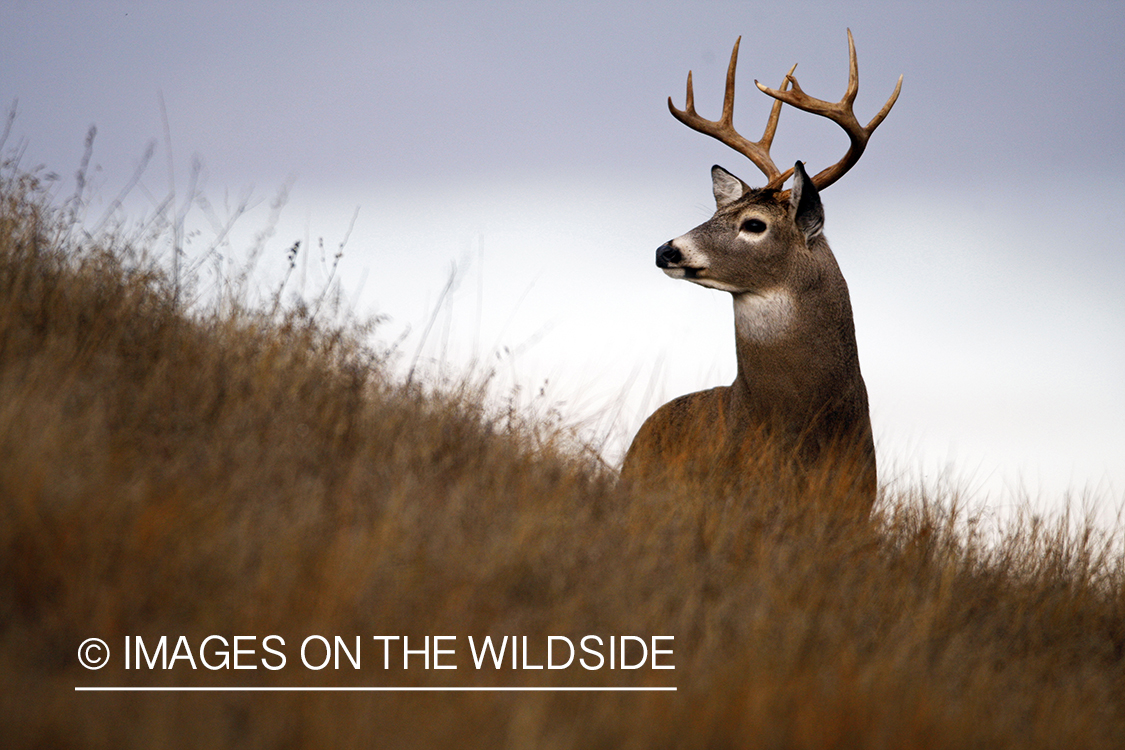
798, 381
798, 390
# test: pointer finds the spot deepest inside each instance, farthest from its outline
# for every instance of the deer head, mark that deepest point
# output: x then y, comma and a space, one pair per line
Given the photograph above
767, 243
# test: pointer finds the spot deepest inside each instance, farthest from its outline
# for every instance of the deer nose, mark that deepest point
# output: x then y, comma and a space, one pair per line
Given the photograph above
667, 255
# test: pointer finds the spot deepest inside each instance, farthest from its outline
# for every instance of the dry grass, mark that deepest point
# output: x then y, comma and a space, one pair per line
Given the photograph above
251, 473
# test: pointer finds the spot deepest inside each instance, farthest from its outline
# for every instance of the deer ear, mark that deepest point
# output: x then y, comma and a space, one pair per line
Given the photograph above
804, 203
726, 186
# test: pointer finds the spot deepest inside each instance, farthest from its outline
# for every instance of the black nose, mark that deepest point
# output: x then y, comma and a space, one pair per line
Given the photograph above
667, 255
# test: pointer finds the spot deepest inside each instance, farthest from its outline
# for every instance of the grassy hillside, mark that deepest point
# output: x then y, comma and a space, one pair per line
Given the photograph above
243, 472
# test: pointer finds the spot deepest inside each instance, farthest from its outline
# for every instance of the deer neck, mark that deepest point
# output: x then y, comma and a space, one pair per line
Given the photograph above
796, 350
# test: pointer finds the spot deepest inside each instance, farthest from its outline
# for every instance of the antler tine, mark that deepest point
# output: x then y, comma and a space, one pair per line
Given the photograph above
771, 130
842, 113
723, 128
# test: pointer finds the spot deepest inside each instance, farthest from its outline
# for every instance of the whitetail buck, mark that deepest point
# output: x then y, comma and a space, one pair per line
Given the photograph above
798, 388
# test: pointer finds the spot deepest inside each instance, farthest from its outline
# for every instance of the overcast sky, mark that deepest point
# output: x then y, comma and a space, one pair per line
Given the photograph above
530, 143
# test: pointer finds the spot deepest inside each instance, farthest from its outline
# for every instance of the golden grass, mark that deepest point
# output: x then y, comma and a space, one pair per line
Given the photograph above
239, 472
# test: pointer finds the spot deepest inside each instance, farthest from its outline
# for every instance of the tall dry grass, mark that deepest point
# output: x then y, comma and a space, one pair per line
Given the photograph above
188, 472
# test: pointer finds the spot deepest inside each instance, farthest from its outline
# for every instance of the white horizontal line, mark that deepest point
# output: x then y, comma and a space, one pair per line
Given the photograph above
363, 689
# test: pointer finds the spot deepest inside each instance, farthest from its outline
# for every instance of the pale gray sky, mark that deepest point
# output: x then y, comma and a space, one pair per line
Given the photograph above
980, 235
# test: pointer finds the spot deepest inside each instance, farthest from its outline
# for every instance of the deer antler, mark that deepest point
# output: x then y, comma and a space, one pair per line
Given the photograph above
723, 128
841, 113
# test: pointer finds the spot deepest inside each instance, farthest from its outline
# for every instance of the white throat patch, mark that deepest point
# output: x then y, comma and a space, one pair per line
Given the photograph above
762, 318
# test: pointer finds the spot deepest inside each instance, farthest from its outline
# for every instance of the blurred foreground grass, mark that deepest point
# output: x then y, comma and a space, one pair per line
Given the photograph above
234, 470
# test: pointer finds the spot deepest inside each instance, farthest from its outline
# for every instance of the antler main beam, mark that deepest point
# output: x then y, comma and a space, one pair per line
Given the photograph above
842, 113
723, 129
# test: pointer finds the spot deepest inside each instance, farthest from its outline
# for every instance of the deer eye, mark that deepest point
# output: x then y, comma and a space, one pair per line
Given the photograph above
754, 226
